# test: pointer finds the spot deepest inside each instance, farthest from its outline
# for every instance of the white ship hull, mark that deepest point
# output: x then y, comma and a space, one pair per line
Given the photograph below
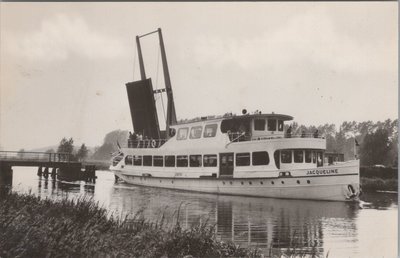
332, 183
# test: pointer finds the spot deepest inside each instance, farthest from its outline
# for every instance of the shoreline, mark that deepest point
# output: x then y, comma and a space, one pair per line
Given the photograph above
34, 227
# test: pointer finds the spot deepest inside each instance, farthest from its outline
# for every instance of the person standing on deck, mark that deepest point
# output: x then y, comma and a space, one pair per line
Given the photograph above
289, 132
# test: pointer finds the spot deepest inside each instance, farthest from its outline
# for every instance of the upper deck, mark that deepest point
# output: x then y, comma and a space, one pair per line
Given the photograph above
213, 131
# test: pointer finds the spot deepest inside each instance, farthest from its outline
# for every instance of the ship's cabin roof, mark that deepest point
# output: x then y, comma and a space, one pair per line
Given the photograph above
238, 128
230, 116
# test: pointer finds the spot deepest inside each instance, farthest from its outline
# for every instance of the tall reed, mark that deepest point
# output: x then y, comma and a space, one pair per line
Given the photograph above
34, 227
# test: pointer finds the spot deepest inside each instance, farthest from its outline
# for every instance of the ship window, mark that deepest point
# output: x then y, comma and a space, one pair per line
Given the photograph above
314, 157
308, 156
128, 160
182, 133
286, 156
210, 130
298, 156
195, 132
182, 161
271, 124
147, 160
280, 125
195, 160
319, 159
158, 161
260, 158
259, 124
210, 160
137, 160
170, 161
243, 159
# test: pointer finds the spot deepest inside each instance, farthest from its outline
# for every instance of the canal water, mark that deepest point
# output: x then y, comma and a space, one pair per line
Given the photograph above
333, 229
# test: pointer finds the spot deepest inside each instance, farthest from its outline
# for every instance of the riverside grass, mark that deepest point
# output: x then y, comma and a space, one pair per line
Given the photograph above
34, 227
378, 184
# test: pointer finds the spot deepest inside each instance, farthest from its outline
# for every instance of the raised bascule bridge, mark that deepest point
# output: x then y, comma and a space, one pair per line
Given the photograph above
56, 165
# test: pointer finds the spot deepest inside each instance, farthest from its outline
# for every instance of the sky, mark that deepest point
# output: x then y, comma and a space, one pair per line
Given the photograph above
63, 66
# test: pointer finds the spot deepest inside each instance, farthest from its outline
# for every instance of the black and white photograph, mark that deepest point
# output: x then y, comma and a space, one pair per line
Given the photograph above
199, 129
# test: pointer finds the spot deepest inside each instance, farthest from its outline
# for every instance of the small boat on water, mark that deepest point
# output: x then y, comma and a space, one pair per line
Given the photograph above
248, 154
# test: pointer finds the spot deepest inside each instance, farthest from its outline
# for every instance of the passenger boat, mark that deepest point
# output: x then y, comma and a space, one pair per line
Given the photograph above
248, 154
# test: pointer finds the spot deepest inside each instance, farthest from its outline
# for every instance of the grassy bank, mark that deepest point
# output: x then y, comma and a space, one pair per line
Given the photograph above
378, 184
35, 227
378, 179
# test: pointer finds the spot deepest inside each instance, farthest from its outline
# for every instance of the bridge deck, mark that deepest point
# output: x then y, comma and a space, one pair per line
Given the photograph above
36, 159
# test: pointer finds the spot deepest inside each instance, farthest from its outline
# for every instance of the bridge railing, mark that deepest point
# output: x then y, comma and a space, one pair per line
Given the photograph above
35, 156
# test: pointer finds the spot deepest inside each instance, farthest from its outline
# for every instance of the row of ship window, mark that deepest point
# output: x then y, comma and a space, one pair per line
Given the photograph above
196, 131
242, 159
211, 129
300, 156
257, 158
171, 160
259, 124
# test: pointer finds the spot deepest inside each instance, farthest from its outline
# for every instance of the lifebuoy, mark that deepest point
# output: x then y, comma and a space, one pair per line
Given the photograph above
153, 143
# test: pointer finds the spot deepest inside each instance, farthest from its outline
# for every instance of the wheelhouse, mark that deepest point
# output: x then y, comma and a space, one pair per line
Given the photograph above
254, 127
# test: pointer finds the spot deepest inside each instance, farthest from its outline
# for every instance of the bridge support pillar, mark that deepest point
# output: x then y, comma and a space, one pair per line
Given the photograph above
6, 174
39, 172
46, 172
53, 173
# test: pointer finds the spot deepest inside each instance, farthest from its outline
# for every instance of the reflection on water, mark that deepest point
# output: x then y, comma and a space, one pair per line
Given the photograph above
256, 222
342, 229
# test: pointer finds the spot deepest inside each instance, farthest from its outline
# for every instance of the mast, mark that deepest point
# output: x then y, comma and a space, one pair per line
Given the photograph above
141, 64
171, 114
143, 78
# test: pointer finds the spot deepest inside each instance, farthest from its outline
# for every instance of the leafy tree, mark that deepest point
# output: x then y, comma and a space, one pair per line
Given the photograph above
66, 146
50, 151
82, 152
343, 140
375, 148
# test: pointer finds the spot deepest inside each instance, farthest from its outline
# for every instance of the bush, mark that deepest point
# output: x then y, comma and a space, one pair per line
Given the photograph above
374, 184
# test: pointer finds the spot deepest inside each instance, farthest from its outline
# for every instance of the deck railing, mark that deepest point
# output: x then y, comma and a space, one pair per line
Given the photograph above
241, 137
35, 156
304, 135
148, 143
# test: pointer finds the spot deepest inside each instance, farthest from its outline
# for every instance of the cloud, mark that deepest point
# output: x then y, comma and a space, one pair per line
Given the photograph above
61, 36
311, 37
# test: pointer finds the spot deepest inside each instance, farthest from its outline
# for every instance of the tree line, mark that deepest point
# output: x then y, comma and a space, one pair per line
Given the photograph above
374, 143
67, 146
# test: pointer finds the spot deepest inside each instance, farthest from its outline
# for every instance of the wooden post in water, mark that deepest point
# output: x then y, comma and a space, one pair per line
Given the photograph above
46, 172
39, 171
53, 173
6, 175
